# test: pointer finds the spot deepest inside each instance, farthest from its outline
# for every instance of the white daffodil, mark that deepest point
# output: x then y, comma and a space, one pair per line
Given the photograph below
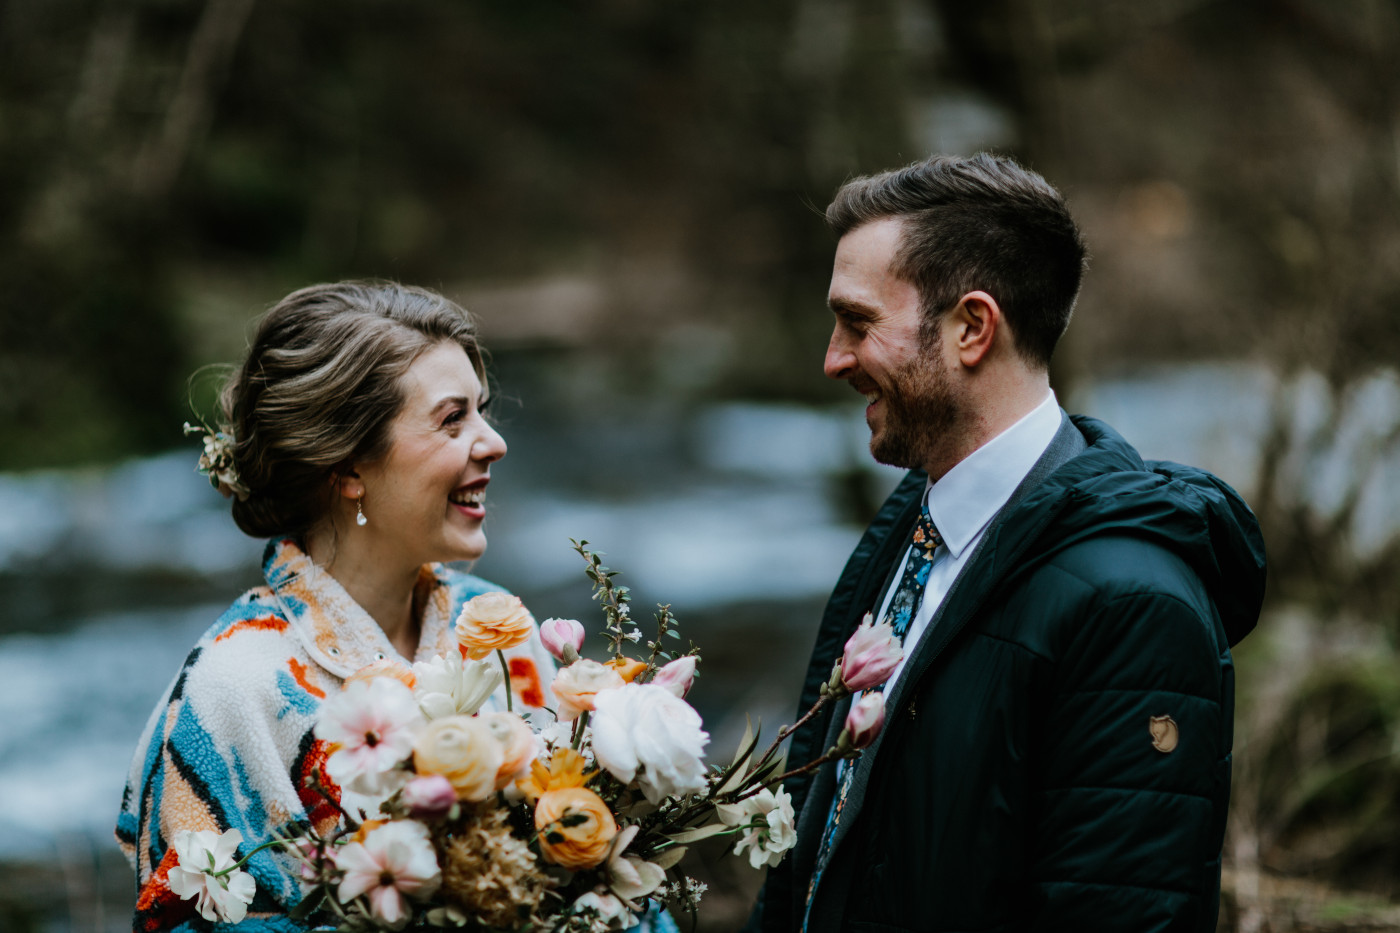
451, 686
375, 723
770, 820
206, 872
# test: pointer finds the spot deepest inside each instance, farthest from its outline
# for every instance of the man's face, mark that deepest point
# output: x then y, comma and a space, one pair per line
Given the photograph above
876, 346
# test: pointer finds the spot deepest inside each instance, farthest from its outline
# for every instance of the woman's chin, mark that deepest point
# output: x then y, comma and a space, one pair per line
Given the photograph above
470, 547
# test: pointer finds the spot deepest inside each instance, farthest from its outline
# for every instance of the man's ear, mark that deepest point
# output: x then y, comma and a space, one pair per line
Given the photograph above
976, 321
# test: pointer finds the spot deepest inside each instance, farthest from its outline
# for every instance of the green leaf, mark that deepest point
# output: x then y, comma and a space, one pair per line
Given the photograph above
747, 743
669, 858
308, 904
695, 835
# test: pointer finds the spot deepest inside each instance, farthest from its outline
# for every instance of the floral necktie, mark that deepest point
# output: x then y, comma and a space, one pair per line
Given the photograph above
904, 605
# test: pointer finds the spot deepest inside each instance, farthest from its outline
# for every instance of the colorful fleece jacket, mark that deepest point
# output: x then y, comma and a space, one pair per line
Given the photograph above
231, 742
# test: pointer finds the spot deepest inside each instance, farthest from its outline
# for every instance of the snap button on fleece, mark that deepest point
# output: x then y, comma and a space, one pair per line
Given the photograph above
1165, 733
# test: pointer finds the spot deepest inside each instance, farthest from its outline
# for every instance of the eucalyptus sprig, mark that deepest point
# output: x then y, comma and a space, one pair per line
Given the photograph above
613, 597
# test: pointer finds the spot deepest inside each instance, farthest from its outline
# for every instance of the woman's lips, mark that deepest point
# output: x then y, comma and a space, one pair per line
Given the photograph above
470, 499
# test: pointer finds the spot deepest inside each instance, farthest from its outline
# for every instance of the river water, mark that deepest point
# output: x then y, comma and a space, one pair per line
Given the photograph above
740, 515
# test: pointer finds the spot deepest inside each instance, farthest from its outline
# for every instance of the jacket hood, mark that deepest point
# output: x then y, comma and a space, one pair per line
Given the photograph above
1109, 488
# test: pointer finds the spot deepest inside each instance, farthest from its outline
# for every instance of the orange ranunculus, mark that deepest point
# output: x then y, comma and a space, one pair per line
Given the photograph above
627, 667
384, 667
576, 685
492, 622
463, 750
584, 843
565, 769
517, 741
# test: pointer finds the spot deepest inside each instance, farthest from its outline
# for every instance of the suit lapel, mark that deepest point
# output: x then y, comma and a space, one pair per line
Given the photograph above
970, 589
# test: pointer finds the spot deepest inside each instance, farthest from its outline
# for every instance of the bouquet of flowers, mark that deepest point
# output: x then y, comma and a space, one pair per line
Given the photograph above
487, 822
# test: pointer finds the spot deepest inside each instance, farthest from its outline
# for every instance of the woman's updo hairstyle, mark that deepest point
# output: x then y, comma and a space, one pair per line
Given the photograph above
319, 389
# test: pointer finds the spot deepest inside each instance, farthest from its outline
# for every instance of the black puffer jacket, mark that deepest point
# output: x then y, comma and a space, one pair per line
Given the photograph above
1016, 785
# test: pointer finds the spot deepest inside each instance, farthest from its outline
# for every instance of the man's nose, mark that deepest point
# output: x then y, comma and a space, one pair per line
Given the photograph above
840, 360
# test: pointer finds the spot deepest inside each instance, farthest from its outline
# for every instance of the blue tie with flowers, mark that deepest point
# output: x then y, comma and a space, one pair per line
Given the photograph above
904, 605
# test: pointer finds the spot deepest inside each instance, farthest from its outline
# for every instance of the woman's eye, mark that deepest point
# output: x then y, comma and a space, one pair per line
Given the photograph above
484, 404
457, 415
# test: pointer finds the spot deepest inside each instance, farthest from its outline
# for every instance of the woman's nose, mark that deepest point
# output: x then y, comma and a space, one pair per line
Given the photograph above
490, 446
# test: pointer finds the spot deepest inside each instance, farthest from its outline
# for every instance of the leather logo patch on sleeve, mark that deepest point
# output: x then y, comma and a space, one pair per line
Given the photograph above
1165, 734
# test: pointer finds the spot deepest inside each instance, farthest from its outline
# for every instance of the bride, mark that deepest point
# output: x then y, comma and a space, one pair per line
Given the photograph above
353, 437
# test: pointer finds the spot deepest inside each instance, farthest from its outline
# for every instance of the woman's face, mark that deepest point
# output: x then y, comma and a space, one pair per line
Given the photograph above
426, 500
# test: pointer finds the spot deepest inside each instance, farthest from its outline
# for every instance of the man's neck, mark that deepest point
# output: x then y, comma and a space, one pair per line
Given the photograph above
987, 418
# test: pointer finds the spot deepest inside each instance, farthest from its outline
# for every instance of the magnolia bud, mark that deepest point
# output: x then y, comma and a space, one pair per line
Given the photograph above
871, 655
561, 635
677, 676
864, 721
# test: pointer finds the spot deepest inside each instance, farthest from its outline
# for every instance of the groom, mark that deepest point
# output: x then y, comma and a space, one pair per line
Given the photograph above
1056, 747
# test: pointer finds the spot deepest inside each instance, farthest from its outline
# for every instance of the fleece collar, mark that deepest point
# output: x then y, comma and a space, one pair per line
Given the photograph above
337, 633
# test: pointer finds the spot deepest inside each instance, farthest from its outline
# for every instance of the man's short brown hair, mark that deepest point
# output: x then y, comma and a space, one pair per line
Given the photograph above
979, 223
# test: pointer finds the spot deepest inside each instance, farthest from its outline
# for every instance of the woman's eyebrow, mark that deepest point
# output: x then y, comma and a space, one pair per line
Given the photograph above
450, 401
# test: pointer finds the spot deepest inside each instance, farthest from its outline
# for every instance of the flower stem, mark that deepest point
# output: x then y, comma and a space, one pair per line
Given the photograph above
809, 766
580, 724
785, 732
505, 669
244, 860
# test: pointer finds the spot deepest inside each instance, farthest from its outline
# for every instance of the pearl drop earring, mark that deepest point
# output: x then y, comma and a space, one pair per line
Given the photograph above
360, 511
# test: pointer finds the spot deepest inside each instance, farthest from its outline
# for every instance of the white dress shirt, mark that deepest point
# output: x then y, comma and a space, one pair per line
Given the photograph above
963, 502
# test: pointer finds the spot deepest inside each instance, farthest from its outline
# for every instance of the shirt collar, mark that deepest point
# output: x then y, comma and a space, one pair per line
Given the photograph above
966, 498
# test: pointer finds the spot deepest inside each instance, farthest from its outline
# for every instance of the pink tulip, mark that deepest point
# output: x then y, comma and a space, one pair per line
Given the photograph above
429, 796
559, 635
866, 718
677, 676
871, 655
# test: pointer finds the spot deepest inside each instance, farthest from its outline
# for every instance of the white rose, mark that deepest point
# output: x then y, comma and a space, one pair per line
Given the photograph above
452, 687
769, 818
645, 732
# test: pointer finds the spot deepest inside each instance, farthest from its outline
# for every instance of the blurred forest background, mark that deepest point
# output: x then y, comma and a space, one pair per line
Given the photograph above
627, 194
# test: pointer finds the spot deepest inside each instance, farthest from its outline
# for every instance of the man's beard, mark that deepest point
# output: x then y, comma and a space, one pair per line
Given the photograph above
921, 411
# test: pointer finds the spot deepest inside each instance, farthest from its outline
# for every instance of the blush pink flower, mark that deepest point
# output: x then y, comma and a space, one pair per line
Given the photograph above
578, 685
373, 723
429, 796
866, 718
677, 676
396, 861
561, 635
872, 653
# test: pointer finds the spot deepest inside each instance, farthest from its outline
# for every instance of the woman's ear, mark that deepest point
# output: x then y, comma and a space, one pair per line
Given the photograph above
349, 485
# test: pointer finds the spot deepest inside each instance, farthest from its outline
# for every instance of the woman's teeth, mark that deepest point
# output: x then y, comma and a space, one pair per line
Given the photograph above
468, 497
